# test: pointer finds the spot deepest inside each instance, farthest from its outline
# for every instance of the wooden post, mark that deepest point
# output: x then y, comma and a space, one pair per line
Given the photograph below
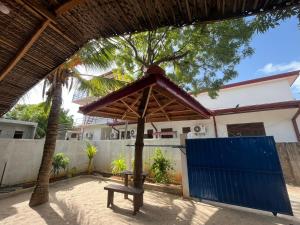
138, 154
139, 145
215, 127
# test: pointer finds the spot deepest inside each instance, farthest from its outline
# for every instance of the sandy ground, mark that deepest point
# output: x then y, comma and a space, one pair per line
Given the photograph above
83, 201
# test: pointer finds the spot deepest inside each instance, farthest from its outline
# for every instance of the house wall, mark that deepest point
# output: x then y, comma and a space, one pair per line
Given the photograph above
176, 125
8, 130
251, 94
277, 123
99, 131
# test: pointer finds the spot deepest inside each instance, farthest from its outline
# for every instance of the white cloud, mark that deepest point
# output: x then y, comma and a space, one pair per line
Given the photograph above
278, 68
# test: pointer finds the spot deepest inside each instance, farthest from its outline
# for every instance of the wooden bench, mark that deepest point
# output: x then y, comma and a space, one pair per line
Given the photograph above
137, 195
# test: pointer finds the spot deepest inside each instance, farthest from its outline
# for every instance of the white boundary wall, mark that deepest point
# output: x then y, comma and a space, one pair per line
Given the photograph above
23, 157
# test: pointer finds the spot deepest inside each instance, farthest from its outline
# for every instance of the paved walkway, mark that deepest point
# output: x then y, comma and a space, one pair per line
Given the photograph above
83, 201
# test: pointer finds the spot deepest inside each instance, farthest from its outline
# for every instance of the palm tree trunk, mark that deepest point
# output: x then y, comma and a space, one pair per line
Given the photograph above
40, 194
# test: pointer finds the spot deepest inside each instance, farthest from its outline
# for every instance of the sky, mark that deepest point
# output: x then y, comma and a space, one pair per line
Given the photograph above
276, 51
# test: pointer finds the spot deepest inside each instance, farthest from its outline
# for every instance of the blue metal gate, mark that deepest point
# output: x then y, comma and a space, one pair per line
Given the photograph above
243, 171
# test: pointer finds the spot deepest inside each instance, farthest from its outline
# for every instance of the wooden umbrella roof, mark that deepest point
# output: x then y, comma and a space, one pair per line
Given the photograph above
36, 36
166, 101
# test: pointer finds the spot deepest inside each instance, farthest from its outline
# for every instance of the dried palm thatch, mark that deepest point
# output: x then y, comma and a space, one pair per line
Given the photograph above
36, 36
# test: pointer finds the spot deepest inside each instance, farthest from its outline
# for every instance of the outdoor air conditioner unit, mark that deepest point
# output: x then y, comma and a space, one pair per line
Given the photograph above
132, 133
113, 135
201, 129
191, 135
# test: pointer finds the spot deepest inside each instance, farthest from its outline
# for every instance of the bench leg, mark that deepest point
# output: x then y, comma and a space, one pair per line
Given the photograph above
136, 204
126, 184
142, 200
110, 198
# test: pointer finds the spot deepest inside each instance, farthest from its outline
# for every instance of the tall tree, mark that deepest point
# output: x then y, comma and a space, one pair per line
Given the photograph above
94, 55
195, 57
38, 113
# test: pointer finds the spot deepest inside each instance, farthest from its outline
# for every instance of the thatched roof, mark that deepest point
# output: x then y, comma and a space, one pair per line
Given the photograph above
38, 35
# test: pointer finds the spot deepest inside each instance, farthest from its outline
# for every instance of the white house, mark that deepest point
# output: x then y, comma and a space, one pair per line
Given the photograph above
263, 106
17, 129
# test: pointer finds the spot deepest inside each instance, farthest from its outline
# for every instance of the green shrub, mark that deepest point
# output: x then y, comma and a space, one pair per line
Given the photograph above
60, 161
118, 165
72, 172
91, 151
161, 167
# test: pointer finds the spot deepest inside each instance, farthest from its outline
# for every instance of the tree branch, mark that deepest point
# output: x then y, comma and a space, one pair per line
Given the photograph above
137, 57
171, 58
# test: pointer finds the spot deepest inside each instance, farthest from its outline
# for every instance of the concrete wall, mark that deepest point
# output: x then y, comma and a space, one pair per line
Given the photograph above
251, 94
23, 157
110, 150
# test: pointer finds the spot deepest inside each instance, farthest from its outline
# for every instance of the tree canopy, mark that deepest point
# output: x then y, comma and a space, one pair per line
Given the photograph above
196, 57
39, 113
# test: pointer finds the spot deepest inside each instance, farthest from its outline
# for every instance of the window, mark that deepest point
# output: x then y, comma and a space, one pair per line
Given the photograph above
186, 130
150, 133
18, 134
168, 135
246, 129
123, 135
73, 135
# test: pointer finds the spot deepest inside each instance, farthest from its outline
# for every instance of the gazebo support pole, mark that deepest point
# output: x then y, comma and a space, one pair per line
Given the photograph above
138, 154
139, 145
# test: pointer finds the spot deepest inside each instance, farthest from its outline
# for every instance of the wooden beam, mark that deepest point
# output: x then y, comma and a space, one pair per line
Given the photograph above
187, 5
68, 6
116, 115
21, 52
128, 106
136, 100
41, 10
163, 106
63, 34
191, 117
159, 105
43, 13
147, 101
181, 111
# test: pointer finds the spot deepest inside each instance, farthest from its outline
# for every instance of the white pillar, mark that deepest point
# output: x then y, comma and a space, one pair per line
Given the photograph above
184, 172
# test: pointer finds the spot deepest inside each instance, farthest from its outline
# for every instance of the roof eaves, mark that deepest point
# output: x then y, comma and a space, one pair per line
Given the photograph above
258, 108
295, 73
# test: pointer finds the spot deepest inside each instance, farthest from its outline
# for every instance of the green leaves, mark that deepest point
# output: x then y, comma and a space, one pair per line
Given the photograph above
195, 57
90, 150
161, 167
118, 165
99, 86
60, 161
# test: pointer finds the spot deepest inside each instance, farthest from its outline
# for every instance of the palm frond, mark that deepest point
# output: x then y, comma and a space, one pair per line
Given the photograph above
98, 86
97, 54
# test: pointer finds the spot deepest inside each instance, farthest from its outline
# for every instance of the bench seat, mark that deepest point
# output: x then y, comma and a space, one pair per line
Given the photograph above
136, 192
